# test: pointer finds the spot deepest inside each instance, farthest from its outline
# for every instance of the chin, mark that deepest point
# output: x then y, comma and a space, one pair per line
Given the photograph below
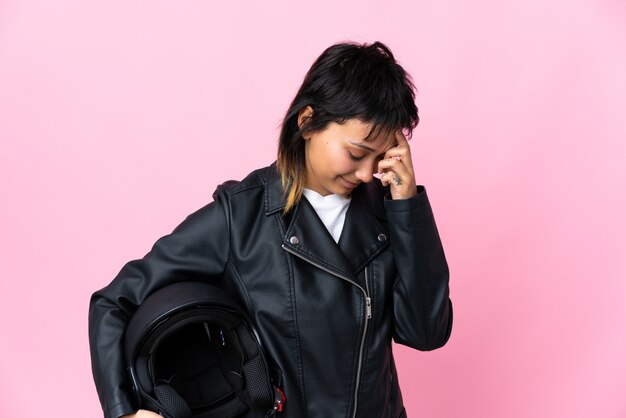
345, 192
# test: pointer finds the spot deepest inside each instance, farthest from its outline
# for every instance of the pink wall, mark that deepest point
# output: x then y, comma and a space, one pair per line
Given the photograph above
117, 119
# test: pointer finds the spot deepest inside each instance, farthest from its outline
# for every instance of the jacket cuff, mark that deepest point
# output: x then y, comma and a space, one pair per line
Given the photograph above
119, 410
404, 205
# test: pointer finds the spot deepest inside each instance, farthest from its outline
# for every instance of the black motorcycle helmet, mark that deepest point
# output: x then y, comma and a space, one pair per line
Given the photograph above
193, 353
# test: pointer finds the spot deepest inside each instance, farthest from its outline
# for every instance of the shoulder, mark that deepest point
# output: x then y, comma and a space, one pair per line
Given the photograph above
256, 179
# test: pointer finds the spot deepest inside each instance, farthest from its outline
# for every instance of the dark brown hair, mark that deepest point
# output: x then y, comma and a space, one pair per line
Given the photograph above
347, 81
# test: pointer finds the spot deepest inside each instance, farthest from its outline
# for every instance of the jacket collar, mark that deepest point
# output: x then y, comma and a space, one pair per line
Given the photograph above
363, 237
274, 199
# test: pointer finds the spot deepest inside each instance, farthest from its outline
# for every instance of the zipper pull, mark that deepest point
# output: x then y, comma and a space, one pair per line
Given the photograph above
368, 307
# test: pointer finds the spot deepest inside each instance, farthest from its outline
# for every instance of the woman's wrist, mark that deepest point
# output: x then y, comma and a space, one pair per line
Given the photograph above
143, 413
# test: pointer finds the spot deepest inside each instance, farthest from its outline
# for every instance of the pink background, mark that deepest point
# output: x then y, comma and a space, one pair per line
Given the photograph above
118, 119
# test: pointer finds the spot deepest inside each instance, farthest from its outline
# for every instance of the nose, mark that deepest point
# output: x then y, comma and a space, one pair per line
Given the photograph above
365, 173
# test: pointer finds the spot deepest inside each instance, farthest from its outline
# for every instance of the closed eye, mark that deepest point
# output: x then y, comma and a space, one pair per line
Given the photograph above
360, 157
355, 157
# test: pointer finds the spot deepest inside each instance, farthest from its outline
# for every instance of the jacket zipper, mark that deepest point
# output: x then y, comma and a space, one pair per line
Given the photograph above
368, 316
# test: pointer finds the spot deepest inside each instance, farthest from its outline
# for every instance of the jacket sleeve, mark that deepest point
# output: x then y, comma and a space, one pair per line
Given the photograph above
421, 303
197, 250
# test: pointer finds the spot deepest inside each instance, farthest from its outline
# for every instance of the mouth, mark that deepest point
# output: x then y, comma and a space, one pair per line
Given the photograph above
348, 184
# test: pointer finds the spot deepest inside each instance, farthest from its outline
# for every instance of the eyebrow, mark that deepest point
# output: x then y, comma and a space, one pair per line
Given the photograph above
365, 147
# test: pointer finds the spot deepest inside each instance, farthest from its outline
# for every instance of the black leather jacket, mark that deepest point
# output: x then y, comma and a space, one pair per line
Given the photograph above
326, 312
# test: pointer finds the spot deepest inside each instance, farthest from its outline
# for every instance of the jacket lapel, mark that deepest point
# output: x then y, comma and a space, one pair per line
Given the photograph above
307, 236
363, 237
364, 233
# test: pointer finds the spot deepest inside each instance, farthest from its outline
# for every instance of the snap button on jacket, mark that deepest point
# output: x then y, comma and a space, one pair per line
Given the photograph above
326, 312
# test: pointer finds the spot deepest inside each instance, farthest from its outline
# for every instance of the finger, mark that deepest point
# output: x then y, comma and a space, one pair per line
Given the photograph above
400, 166
402, 149
402, 141
402, 153
384, 180
390, 163
388, 178
400, 187
397, 183
395, 177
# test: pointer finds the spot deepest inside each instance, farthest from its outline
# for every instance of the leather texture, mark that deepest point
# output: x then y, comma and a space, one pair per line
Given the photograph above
326, 313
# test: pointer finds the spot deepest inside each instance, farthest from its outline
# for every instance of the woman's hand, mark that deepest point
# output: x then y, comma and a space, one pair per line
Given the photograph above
397, 169
143, 413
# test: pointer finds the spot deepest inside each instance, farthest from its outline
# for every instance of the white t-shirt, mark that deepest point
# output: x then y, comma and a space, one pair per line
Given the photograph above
331, 209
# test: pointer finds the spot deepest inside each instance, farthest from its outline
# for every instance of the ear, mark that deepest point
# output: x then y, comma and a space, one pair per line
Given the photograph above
304, 113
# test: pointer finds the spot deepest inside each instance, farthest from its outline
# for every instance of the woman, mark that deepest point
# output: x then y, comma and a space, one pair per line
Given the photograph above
330, 262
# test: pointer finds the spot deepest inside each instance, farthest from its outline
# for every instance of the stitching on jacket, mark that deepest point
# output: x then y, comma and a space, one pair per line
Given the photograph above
227, 216
241, 190
294, 314
242, 287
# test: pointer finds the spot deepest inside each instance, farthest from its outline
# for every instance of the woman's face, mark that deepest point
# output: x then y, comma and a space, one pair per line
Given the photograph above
338, 160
